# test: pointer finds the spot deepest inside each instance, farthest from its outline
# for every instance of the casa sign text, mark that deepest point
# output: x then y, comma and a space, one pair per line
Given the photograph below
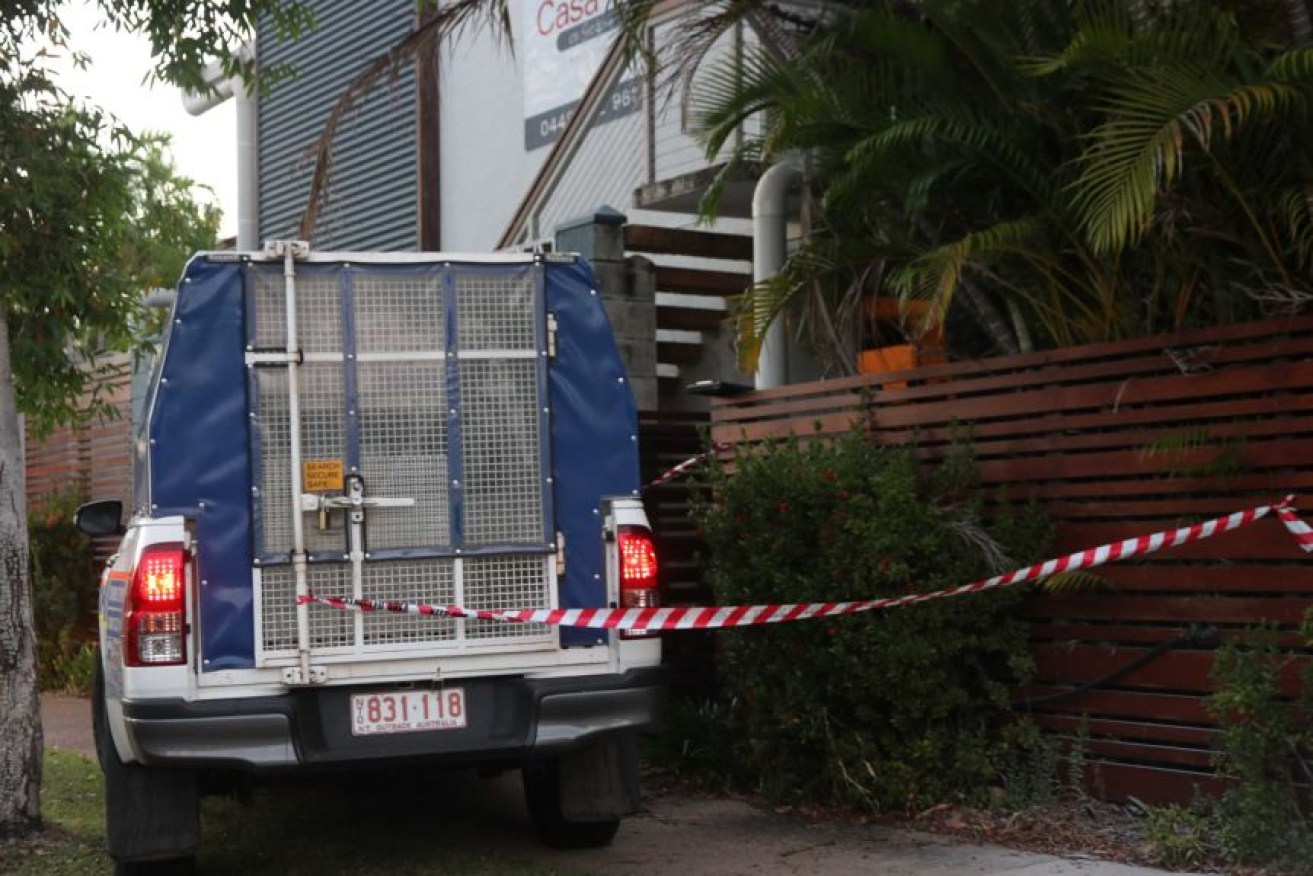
557, 15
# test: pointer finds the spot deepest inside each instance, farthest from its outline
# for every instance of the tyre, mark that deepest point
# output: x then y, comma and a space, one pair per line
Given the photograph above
167, 867
152, 814
542, 793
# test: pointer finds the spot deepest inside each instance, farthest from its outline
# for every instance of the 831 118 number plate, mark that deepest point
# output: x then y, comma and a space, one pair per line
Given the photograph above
407, 711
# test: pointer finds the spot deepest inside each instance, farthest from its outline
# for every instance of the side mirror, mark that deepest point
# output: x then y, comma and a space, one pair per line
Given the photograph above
100, 518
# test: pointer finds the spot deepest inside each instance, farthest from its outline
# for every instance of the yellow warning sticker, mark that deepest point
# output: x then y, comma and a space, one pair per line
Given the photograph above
321, 475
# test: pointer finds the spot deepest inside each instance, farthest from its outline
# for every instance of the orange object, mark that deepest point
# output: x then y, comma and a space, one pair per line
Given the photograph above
899, 357
887, 309
899, 313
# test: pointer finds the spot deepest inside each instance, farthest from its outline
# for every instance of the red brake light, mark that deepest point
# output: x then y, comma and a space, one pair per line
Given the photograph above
638, 568
154, 609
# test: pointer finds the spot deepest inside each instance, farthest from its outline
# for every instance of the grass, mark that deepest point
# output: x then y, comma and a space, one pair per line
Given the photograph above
404, 824
72, 804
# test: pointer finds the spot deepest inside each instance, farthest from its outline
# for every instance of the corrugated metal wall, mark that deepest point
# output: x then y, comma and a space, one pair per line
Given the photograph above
374, 190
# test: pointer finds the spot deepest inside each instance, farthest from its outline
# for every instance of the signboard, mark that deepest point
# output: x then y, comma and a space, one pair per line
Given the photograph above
321, 475
563, 46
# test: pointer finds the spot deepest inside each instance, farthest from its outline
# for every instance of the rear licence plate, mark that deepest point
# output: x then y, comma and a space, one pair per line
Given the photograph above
408, 711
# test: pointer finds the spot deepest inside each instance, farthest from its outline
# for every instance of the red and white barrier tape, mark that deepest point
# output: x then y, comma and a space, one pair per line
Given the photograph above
1302, 532
685, 466
713, 617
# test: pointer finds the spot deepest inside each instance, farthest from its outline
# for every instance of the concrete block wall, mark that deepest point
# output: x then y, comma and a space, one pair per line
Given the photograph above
628, 287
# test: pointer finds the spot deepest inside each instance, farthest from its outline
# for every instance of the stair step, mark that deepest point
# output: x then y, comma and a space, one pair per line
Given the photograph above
655, 240
678, 346
690, 312
694, 281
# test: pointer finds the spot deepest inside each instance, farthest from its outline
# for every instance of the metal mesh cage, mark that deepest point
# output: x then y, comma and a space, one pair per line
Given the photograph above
396, 431
329, 627
323, 437
498, 583
318, 312
271, 319
502, 455
427, 581
399, 314
403, 451
496, 312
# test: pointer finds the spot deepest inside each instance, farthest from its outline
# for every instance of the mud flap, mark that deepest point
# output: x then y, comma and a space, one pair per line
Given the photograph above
600, 782
153, 813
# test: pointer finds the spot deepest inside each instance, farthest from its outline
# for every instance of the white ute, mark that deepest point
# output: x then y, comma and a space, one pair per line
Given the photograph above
436, 429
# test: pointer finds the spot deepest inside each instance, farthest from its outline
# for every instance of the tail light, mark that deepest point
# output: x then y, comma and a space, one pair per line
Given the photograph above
638, 568
154, 611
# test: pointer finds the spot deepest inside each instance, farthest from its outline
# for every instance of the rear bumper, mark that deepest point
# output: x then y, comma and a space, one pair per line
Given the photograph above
510, 719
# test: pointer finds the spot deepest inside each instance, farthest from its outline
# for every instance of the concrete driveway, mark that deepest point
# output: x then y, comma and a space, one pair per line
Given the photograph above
701, 836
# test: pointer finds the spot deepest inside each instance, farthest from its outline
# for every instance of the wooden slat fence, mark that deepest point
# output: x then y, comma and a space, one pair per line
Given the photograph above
1117, 440
666, 439
91, 460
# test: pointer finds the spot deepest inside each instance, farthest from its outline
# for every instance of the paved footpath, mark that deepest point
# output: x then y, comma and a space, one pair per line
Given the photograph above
701, 836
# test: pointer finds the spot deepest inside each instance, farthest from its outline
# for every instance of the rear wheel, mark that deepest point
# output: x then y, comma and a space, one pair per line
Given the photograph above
152, 814
576, 799
169, 867
542, 793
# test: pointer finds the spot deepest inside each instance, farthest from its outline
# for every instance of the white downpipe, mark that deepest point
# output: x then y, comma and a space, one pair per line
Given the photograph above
248, 167
769, 244
248, 144
161, 297
221, 88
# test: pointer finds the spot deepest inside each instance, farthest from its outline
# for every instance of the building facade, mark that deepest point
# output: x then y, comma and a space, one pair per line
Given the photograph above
489, 143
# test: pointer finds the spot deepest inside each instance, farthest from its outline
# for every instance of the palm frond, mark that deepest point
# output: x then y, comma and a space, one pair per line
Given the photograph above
973, 30
1039, 24
739, 166
1294, 208
694, 34
1177, 445
821, 285
922, 185
1067, 582
1183, 455
931, 126
1140, 151
1295, 65
934, 276
730, 92
1101, 38
1001, 150
918, 58
1113, 34
973, 533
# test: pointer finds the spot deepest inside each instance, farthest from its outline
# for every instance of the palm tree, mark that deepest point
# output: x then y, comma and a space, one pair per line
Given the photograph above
1197, 159
1067, 171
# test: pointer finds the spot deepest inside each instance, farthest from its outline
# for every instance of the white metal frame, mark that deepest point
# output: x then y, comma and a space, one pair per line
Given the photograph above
459, 645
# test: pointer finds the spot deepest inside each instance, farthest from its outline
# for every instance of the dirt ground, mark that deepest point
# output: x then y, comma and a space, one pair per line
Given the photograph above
695, 835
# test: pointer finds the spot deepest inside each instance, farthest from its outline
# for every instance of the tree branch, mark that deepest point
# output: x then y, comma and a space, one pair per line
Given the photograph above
436, 24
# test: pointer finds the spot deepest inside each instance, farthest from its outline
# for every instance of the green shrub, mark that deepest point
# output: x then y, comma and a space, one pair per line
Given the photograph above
1264, 819
1030, 775
64, 597
694, 740
1181, 836
884, 709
